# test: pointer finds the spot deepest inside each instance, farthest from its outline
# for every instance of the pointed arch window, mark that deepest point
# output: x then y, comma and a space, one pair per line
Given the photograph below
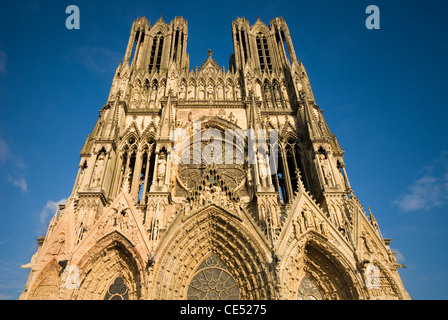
146, 172
117, 290
241, 38
134, 47
279, 177
292, 166
129, 154
156, 53
176, 43
282, 45
263, 53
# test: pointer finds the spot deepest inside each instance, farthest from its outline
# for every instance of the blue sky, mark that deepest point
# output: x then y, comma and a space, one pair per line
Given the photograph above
383, 93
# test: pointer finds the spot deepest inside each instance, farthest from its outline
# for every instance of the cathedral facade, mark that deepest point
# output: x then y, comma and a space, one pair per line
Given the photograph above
212, 184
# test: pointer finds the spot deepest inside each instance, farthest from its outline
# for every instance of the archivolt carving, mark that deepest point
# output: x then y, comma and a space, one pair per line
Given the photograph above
112, 256
330, 272
212, 231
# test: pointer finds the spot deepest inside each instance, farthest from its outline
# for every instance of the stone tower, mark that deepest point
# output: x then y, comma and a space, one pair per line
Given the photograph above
212, 184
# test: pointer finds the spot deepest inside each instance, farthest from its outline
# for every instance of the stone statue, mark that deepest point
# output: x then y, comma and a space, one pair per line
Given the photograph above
98, 170
201, 92
238, 92
297, 227
229, 93
210, 92
182, 91
263, 167
153, 93
161, 169
284, 92
220, 93
326, 170
307, 217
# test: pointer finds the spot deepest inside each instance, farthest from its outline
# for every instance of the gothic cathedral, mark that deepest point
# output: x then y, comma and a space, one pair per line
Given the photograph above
250, 201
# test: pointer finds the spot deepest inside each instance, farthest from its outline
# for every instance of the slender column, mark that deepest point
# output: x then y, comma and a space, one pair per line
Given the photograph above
249, 55
131, 41
154, 176
167, 168
145, 185
173, 41
237, 58
256, 170
134, 60
106, 162
319, 169
291, 51
287, 174
243, 61
117, 177
136, 175
125, 169
268, 167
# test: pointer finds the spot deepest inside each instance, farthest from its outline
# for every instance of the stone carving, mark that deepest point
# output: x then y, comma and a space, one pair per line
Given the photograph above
263, 168
278, 102
182, 91
161, 169
326, 170
98, 172
267, 96
229, 92
307, 217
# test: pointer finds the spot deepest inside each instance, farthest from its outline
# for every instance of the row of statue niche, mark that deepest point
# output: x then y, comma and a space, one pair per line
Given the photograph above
149, 95
146, 95
275, 96
209, 92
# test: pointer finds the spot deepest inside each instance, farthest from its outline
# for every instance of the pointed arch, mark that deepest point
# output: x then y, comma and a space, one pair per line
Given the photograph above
213, 231
315, 258
112, 256
260, 27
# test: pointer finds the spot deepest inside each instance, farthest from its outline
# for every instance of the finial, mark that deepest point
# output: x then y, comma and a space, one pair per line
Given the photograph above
210, 53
